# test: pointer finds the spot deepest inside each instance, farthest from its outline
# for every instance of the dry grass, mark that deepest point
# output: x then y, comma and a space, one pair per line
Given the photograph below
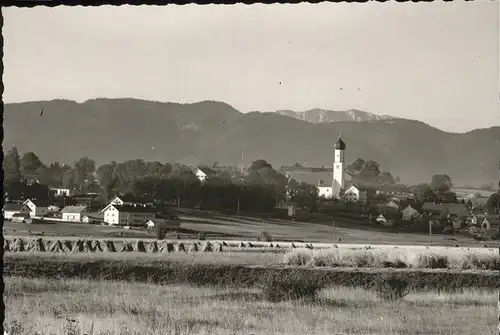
453, 258
106, 307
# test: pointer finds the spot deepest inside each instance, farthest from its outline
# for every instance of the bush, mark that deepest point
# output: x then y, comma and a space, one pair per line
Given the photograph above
202, 236
290, 286
265, 236
432, 261
392, 287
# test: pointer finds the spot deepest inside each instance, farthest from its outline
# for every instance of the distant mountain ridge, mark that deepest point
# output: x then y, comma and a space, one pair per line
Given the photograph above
210, 131
318, 115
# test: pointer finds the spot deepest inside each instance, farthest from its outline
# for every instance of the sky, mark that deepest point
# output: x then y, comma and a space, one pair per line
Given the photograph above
435, 62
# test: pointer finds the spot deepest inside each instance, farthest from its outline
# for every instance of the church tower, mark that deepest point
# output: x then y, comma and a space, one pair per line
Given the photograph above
338, 168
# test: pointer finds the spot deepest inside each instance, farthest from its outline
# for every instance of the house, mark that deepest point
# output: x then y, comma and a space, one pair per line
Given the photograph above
131, 200
59, 192
37, 207
490, 222
325, 192
431, 208
384, 220
73, 213
127, 215
392, 204
202, 176
92, 217
13, 208
355, 193
154, 222
410, 213
457, 210
20, 217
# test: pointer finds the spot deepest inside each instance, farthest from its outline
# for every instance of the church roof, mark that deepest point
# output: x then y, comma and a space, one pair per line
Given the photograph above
340, 145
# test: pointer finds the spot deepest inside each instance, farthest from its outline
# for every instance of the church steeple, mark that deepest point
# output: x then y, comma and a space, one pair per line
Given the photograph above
340, 145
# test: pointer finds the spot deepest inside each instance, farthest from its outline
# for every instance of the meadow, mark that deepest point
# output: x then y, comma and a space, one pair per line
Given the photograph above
77, 307
76, 279
316, 228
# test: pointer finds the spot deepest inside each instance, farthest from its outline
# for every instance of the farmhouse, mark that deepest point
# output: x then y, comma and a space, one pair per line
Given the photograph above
452, 210
20, 217
59, 192
131, 200
37, 207
73, 213
92, 217
127, 215
410, 213
14, 208
490, 222
356, 193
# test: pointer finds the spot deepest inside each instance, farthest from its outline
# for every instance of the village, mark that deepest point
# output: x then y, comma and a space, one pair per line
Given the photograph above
392, 207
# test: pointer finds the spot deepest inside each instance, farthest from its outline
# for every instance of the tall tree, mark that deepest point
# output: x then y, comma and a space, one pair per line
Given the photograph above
84, 172
12, 166
30, 166
441, 183
258, 165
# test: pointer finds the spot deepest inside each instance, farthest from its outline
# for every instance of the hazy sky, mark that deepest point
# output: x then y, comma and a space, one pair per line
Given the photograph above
436, 62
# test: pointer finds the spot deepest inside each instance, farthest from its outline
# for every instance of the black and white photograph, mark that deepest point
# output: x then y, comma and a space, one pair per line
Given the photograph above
260, 169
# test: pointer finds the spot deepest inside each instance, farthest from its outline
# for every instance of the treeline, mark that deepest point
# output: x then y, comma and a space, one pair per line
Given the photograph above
260, 188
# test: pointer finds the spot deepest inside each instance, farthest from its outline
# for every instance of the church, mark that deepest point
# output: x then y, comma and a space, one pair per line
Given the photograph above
330, 181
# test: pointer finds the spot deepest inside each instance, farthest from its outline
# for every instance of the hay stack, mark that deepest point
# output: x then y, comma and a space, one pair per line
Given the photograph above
17, 245
207, 247
335, 246
139, 246
36, 245
270, 245
242, 245
56, 246
153, 247
218, 247
193, 248
79, 246
96, 246
277, 246
180, 247
68, 245
292, 246
87, 246
6, 245
126, 247
224, 244
309, 246
166, 247
109, 246
250, 245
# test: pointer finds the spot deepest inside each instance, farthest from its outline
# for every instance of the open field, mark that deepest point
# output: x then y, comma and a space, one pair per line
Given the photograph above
53, 306
230, 227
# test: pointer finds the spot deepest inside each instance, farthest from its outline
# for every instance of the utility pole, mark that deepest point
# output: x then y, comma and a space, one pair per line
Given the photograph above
430, 232
333, 226
241, 165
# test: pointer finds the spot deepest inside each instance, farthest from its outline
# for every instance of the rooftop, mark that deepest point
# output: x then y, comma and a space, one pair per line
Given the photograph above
13, 207
74, 209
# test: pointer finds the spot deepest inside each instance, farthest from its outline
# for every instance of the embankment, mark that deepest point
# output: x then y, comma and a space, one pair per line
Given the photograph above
171, 272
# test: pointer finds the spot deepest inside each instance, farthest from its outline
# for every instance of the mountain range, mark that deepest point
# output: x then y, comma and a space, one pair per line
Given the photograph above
209, 131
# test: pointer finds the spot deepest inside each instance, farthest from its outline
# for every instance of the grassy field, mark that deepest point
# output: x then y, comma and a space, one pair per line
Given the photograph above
231, 227
75, 307
452, 258
235, 270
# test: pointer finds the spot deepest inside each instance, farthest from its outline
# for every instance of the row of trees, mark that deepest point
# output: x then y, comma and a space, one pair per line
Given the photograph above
260, 189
